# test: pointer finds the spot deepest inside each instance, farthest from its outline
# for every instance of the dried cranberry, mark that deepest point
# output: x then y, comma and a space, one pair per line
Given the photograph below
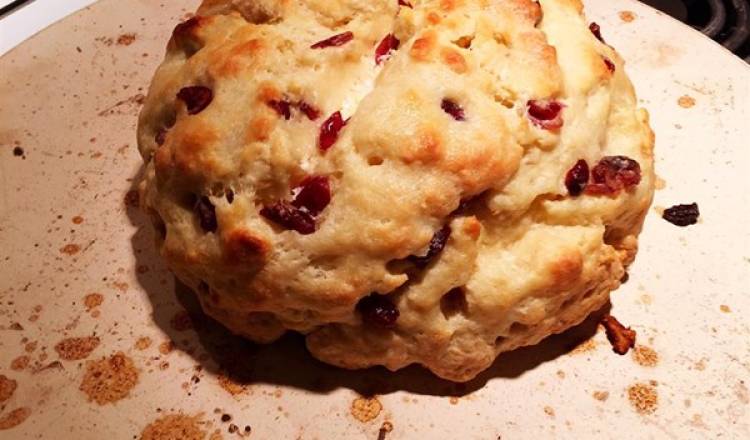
545, 114
597, 31
196, 98
283, 108
336, 40
378, 310
436, 246
314, 194
610, 65
577, 178
682, 215
310, 111
612, 174
405, 3
329, 131
161, 136
206, 213
453, 109
389, 43
622, 338
290, 217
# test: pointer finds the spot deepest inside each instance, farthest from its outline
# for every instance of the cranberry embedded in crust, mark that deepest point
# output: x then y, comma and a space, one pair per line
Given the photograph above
314, 194
597, 31
610, 65
378, 310
612, 174
290, 217
453, 109
206, 213
577, 178
545, 114
283, 108
309, 110
436, 247
387, 44
405, 3
196, 98
336, 40
329, 131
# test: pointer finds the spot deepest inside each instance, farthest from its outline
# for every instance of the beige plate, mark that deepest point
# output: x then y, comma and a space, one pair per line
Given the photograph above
69, 98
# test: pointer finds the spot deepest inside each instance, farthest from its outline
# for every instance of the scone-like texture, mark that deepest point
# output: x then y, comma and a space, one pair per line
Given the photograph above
302, 155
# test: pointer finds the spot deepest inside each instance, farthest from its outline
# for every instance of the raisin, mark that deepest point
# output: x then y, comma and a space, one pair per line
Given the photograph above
336, 40
453, 109
387, 44
622, 338
437, 243
612, 174
290, 217
577, 178
597, 31
206, 213
229, 194
545, 114
378, 310
310, 111
682, 215
329, 131
283, 108
610, 65
196, 98
314, 194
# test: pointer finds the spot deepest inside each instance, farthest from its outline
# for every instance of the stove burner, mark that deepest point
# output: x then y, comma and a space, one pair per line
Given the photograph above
726, 21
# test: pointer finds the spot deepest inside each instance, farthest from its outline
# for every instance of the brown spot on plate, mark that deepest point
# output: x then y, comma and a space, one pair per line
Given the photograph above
14, 418
166, 347
366, 409
20, 363
626, 16
126, 39
643, 397
686, 101
143, 343
601, 395
7, 387
175, 426
645, 356
385, 428
75, 349
93, 300
585, 346
230, 385
70, 249
109, 379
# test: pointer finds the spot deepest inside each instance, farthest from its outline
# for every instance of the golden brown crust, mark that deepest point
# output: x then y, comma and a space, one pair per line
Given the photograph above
524, 259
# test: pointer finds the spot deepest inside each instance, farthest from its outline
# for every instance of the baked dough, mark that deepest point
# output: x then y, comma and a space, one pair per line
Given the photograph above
458, 124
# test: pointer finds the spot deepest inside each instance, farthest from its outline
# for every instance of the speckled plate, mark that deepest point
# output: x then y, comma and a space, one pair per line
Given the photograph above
77, 261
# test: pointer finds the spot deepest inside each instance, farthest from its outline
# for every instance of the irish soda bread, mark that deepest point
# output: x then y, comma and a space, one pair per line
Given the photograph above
429, 182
